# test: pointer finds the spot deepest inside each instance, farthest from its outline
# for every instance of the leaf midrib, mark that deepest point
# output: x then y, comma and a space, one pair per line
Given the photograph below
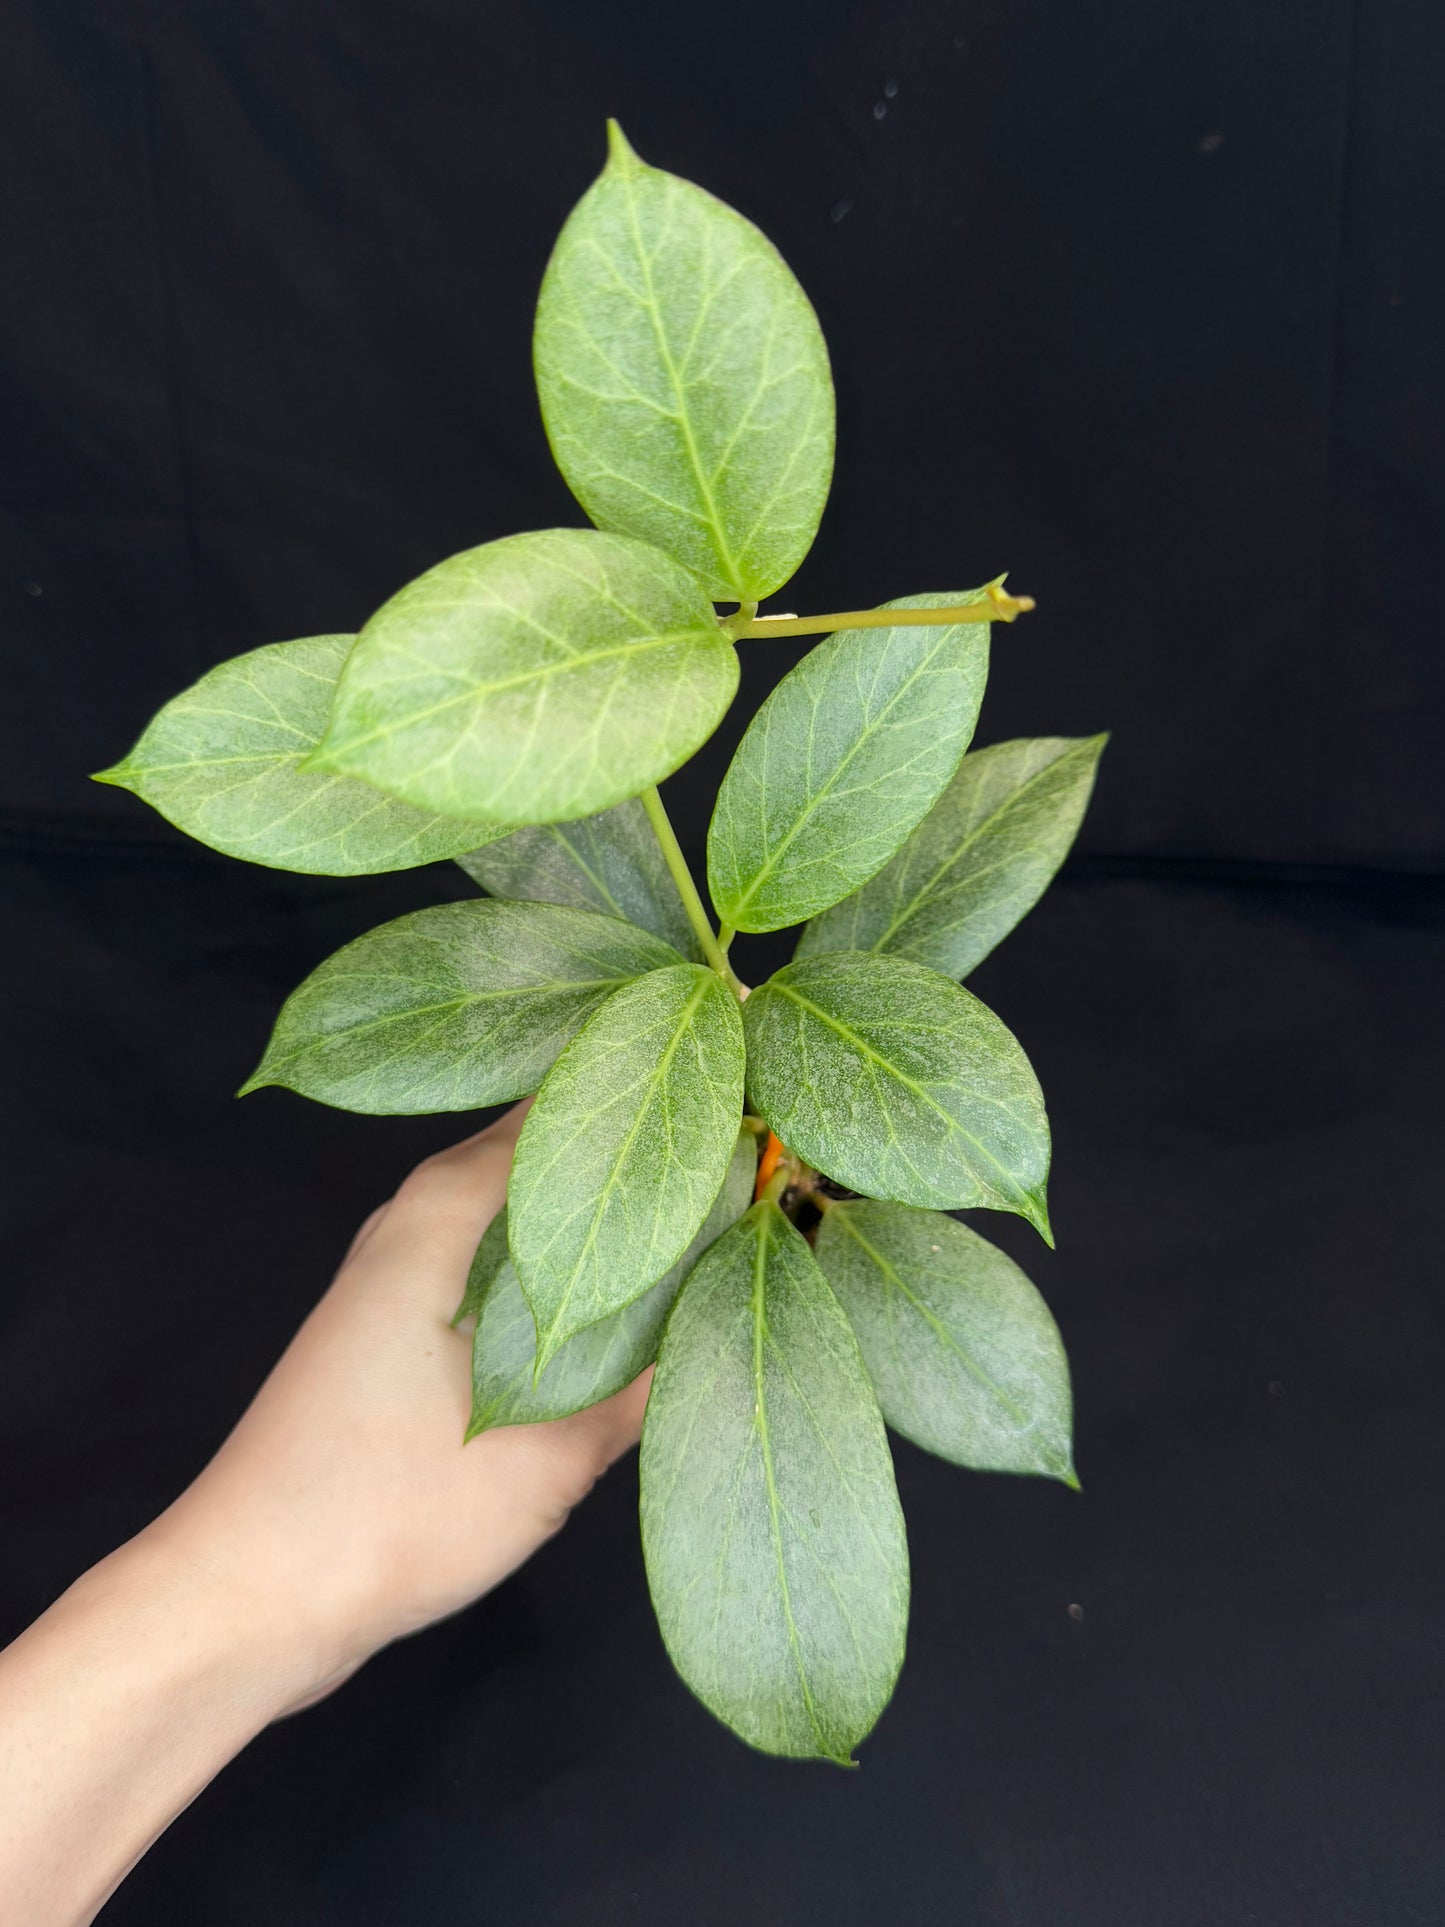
447, 1004
775, 1505
545, 1348
143, 770
927, 1313
544, 672
558, 832
714, 520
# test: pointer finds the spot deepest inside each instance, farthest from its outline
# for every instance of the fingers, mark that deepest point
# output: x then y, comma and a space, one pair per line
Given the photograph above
560, 1460
502, 1130
614, 1426
368, 1225
624, 1414
442, 1208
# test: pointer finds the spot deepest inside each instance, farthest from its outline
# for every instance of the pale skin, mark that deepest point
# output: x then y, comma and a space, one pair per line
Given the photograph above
341, 1514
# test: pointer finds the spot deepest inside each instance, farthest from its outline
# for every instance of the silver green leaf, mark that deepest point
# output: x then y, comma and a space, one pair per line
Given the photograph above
898, 1083
537, 678
850, 751
770, 1520
625, 1149
977, 863
222, 761
453, 1007
963, 1354
611, 862
684, 379
598, 1361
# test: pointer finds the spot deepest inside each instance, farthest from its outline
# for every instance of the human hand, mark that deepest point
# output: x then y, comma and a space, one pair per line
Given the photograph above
342, 1513
344, 1505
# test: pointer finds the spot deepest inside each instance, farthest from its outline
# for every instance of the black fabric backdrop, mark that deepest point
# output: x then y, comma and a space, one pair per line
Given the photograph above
1143, 303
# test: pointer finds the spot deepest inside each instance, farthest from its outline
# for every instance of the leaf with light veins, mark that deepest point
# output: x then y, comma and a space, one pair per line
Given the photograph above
624, 1150
898, 1083
962, 1352
684, 379
977, 863
596, 1362
537, 678
852, 748
771, 1526
222, 761
453, 1007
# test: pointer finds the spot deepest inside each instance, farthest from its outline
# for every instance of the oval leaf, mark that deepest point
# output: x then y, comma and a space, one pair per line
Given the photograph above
963, 1354
610, 863
852, 748
625, 1149
450, 1008
222, 761
977, 863
898, 1083
770, 1520
598, 1361
540, 677
684, 379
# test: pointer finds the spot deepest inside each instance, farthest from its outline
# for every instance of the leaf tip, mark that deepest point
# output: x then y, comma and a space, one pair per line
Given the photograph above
257, 1081
1034, 1208
620, 151
118, 776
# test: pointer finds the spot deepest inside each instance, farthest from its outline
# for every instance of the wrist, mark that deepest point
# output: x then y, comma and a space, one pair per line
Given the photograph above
256, 1650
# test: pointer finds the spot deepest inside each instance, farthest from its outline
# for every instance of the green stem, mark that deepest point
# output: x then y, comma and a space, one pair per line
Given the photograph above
777, 1184
725, 935
999, 607
681, 875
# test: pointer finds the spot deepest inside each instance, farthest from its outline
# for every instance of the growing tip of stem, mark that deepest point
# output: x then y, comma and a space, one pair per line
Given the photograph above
1008, 608
773, 1153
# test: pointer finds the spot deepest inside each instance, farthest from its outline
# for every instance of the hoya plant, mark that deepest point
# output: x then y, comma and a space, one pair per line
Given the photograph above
752, 1189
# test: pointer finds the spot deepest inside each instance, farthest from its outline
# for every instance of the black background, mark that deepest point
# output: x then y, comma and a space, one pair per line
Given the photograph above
1145, 303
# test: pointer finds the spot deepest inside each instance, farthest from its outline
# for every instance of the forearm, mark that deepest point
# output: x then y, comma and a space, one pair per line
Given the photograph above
116, 1708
